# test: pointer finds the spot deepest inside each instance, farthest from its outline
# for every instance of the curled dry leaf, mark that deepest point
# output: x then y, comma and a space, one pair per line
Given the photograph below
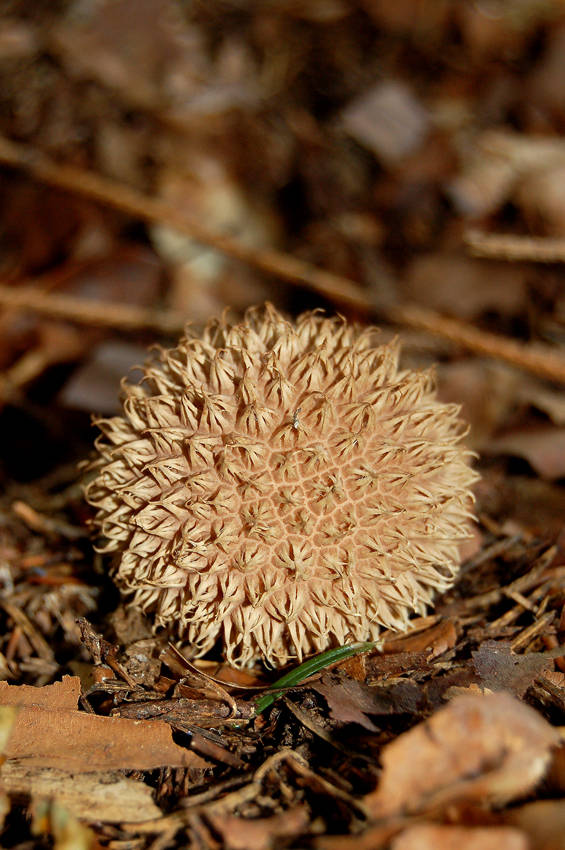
434, 641
490, 747
495, 163
542, 198
60, 695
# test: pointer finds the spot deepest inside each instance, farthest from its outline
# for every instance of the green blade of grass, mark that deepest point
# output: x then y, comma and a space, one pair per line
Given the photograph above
308, 668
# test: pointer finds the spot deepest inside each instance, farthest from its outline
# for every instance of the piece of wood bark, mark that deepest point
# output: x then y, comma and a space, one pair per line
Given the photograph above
102, 796
48, 731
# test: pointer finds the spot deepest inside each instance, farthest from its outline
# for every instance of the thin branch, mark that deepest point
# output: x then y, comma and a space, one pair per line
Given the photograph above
140, 206
501, 246
537, 358
107, 314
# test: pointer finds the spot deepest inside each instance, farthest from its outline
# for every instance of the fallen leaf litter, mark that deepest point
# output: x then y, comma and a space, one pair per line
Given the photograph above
361, 151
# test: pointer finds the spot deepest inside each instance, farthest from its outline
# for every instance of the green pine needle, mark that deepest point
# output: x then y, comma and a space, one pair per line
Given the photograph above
308, 668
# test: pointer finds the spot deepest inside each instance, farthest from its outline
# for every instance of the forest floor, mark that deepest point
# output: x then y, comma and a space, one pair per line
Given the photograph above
400, 163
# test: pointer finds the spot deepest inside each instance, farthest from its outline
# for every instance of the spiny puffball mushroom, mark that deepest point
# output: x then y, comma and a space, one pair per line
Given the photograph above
282, 487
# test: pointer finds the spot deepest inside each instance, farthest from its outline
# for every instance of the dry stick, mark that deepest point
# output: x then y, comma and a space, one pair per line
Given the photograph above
97, 313
539, 359
501, 246
140, 206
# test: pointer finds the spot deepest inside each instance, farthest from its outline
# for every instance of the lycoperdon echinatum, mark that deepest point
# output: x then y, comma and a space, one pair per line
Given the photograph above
281, 487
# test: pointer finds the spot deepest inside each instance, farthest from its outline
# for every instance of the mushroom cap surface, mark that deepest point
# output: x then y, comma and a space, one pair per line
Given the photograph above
281, 487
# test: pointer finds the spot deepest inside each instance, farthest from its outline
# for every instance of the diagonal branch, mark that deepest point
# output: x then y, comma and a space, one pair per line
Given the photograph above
540, 359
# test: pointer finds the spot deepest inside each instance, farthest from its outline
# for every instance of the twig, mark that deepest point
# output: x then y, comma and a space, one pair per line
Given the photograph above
197, 799
30, 365
87, 312
502, 246
540, 625
134, 203
539, 359
495, 627
490, 552
522, 584
46, 524
36, 639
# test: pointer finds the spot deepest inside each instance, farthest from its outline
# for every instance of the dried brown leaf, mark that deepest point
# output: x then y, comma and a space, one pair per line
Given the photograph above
60, 695
556, 773
388, 120
485, 389
462, 286
52, 820
260, 833
374, 838
491, 747
434, 641
541, 197
351, 701
95, 384
499, 669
